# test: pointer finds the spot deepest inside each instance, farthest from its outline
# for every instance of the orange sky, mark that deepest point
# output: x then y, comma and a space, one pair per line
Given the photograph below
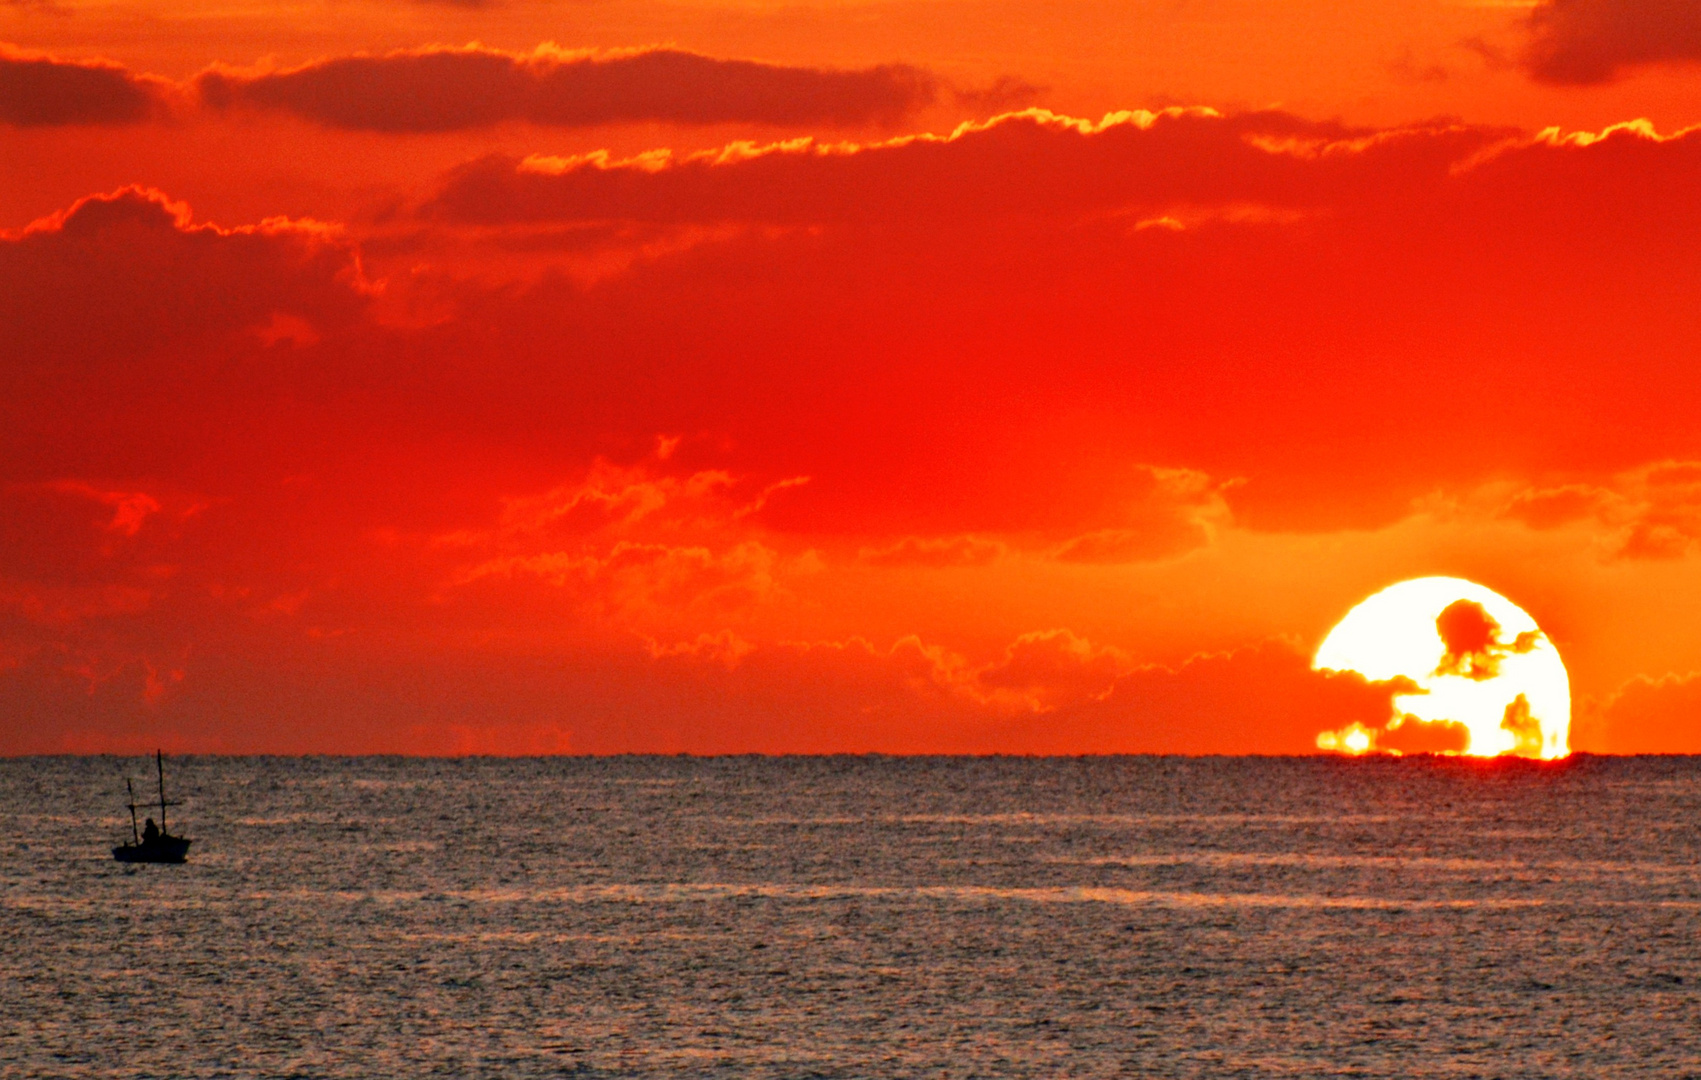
932, 375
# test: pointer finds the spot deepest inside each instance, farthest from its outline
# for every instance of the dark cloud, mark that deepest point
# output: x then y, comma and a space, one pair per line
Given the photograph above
1585, 42
130, 272
40, 91
1257, 297
125, 319
1030, 165
1474, 648
1472, 638
1409, 735
1301, 292
454, 89
947, 356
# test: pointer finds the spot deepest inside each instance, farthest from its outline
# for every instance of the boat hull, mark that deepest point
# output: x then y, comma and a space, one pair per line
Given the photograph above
167, 849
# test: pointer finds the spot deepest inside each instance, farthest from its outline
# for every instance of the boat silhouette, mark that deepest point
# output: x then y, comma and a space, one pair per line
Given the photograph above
152, 845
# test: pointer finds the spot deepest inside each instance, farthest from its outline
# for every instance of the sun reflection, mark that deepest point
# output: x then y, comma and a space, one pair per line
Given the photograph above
1479, 675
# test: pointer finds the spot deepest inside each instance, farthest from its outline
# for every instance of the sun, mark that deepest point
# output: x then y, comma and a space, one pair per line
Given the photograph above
1482, 677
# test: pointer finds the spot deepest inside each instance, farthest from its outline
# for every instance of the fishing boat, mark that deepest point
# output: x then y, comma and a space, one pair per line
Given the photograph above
152, 844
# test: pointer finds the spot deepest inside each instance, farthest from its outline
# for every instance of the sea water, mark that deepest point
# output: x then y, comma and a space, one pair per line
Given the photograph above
856, 917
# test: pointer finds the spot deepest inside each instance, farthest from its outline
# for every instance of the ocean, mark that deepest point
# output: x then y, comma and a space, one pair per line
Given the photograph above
856, 917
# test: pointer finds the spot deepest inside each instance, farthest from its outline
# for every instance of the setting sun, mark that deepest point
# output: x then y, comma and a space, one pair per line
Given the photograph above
1482, 678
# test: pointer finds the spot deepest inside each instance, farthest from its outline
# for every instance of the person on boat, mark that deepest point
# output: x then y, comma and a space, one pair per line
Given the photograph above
150, 832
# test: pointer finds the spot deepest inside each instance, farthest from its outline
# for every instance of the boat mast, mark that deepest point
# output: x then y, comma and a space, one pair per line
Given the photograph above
159, 763
134, 835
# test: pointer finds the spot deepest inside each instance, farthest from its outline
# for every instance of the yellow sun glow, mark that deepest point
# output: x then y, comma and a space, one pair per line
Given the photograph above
1474, 659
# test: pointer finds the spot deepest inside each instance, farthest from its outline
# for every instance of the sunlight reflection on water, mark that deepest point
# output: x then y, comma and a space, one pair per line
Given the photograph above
859, 918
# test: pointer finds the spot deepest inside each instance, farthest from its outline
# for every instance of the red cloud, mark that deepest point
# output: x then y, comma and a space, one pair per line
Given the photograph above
62, 604
1474, 647
626, 542
1342, 317
935, 552
40, 91
443, 89
129, 272
1051, 692
71, 533
1054, 693
1066, 696
1041, 167
1173, 515
1651, 512
123, 322
1583, 42
982, 358
1305, 326
1644, 716
633, 575
1258, 700
130, 509
1051, 668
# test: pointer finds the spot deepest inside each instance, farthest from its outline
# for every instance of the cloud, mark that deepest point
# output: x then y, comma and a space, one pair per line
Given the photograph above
451, 89
1254, 699
71, 550
1053, 691
67, 604
1043, 167
1650, 512
1175, 514
935, 552
1050, 692
444, 89
721, 647
1045, 670
40, 91
612, 496
67, 524
476, 503
1644, 715
136, 335
130, 509
1261, 699
1587, 42
1472, 639
984, 358
130, 271
1003, 94
631, 576
1411, 735
627, 543
1308, 311
1037, 673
